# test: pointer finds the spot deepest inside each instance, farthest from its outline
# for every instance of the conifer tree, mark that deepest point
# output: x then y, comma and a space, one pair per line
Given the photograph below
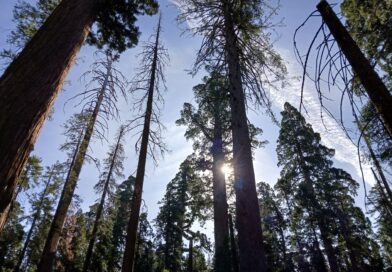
44, 63
147, 81
100, 102
322, 197
234, 41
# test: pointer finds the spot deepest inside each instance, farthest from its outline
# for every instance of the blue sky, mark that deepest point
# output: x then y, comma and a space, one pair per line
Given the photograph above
182, 49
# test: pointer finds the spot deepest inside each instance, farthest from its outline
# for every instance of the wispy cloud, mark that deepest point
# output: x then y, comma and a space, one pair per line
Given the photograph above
332, 134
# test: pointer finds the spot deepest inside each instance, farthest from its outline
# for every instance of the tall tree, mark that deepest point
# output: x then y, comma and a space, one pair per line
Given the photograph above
44, 63
148, 80
100, 103
234, 41
113, 169
322, 195
209, 126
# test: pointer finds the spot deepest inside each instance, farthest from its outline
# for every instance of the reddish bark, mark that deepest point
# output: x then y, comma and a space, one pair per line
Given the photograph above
30, 85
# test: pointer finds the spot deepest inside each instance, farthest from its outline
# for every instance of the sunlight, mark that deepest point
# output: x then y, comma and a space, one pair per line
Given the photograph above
227, 169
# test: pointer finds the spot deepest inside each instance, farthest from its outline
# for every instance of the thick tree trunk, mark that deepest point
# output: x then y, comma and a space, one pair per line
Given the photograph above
130, 245
48, 254
375, 88
100, 207
233, 246
29, 87
32, 227
221, 226
250, 239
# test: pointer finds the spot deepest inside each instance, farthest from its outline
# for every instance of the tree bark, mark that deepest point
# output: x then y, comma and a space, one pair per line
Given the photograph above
100, 207
375, 88
52, 240
233, 246
32, 227
221, 226
30, 85
130, 245
250, 239
190, 256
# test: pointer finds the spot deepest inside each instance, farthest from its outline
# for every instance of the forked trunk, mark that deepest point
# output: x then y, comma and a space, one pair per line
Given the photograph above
100, 207
30, 85
250, 239
130, 244
33, 223
49, 252
375, 88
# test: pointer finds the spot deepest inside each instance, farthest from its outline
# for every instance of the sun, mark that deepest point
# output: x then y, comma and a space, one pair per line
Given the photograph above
227, 169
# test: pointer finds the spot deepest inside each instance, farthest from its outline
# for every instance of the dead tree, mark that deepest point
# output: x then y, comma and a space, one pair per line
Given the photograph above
148, 80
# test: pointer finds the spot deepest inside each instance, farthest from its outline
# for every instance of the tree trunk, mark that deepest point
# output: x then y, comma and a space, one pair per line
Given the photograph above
29, 87
250, 239
320, 265
233, 246
375, 88
190, 256
52, 240
221, 226
130, 245
32, 227
100, 207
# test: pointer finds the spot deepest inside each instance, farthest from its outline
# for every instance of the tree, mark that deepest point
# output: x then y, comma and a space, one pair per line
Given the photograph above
104, 98
184, 203
209, 127
42, 212
322, 196
113, 169
147, 80
234, 42
122, 203
44, 63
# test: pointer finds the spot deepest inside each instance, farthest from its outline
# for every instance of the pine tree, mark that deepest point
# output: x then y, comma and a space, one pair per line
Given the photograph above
104, 98
234, 41
148, 81
44, 63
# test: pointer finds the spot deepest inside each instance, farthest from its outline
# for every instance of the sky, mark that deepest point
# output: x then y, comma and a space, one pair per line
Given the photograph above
182, 49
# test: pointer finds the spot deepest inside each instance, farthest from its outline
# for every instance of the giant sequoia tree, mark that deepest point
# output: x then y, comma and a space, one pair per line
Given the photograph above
147, 82
44, 63
234, 41
321, 196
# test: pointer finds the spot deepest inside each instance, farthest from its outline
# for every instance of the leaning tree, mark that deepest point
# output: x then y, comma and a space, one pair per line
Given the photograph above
44, 64
146, 83
99, 105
